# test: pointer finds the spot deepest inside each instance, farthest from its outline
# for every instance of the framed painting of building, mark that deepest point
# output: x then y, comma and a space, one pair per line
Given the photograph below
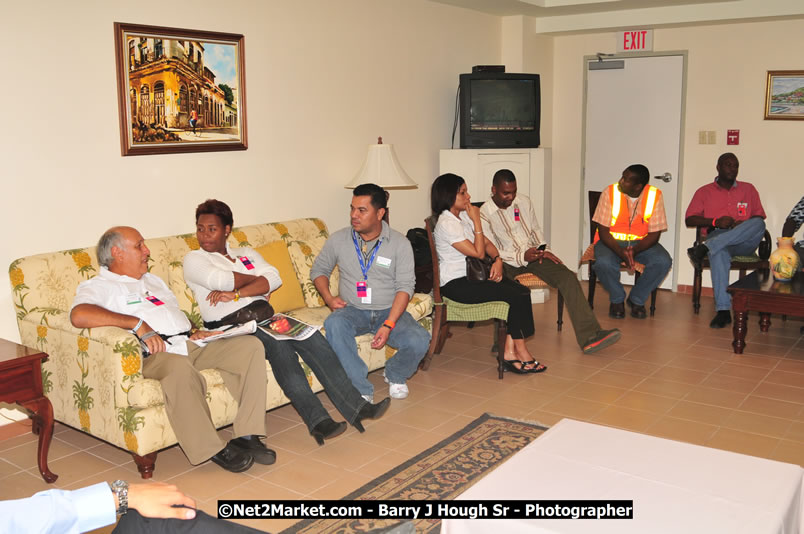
784, 95
180, 90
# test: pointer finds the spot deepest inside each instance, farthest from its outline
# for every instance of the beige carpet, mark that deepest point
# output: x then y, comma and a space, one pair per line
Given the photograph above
442, 472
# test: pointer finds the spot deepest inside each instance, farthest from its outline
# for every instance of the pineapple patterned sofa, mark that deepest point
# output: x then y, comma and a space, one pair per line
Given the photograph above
93, 376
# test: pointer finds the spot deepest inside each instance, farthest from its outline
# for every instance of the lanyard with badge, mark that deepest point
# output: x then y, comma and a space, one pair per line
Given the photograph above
363, 291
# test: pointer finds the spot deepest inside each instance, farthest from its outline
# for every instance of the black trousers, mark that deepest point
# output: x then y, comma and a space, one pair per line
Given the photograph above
134, 523
520, 313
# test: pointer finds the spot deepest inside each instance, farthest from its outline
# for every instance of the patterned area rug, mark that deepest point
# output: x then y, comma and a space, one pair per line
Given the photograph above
444, 471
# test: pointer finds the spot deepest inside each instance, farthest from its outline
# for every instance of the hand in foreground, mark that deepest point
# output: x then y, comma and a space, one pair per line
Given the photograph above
156, 499
336, 303
725, 222
202, 334
380, 338
547, 255
473, 212
630, 263
154, 343
496, 271
216, 296
534, 254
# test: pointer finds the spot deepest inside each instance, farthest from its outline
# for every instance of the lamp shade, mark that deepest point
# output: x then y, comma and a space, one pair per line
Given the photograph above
382, 167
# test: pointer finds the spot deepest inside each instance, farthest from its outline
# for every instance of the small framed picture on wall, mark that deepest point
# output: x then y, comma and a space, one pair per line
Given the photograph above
180, 90
784, 95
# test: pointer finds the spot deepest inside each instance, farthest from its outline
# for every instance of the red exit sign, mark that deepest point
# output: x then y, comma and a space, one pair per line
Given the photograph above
635, 41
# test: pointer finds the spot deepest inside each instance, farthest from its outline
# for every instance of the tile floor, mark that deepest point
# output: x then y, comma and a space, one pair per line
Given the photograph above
669, 376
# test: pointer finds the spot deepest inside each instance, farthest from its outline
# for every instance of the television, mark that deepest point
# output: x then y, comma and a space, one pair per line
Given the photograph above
499, 110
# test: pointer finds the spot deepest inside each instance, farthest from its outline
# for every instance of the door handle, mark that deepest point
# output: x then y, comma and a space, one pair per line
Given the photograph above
666, 177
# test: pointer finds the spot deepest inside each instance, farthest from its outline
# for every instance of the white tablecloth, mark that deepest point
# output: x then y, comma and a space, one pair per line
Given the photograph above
676, 487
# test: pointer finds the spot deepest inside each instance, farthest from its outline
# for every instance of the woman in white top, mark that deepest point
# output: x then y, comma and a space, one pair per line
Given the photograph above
458, 234
226, 279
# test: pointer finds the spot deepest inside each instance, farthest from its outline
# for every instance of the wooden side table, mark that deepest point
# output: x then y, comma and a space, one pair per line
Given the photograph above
21, 383
760, 292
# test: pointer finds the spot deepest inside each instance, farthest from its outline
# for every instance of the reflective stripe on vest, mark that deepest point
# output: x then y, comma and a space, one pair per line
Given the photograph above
626, 237
650, 204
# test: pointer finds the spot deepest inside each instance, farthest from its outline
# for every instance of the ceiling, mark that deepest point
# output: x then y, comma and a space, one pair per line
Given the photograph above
559, 16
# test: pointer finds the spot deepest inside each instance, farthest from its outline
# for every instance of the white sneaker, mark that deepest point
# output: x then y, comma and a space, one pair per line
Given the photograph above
397, 391
369, 398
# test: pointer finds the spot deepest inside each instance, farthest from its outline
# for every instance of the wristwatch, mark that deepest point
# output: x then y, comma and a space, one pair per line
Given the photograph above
120, 488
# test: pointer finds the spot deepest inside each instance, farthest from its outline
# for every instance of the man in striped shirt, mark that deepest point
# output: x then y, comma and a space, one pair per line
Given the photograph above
511, 224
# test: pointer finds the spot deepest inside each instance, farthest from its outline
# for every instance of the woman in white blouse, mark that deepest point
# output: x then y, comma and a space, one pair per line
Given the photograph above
226, 279
458, 234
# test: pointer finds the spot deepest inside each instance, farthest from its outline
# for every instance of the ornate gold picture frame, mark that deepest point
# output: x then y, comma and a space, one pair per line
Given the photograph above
180, 90
784, 95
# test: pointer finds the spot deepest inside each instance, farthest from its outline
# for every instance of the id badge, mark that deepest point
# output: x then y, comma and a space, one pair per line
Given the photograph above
516, 214
742, 209
362, 289
367, 298
133, 298
246, 263
154, 300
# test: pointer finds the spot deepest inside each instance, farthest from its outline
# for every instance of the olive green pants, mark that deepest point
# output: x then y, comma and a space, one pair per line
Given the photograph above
558, 276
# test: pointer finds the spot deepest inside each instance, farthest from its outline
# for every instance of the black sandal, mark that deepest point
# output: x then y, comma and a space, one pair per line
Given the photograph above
508, 365
537, 367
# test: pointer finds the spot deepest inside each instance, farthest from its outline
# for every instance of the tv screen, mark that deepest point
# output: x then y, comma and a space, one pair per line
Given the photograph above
500, 110
502, 105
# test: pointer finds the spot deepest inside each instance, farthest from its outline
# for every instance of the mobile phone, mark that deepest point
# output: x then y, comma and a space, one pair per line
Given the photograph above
542, 246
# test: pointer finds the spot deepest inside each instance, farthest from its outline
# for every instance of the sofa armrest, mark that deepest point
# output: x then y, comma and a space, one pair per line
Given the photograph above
88, 372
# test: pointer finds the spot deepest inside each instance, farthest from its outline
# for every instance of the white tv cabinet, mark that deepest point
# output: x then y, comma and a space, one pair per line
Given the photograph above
531, 166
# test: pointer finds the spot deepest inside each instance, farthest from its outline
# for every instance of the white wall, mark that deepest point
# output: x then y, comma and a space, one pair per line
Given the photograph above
323, 80
725, 90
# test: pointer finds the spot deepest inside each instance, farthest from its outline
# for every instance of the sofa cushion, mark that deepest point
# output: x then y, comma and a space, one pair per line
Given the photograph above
289, 296
302, 254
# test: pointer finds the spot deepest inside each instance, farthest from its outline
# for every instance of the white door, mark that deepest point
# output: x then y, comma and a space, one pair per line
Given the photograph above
633, 115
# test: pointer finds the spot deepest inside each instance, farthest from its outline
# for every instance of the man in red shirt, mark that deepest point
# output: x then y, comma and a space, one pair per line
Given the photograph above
734, 216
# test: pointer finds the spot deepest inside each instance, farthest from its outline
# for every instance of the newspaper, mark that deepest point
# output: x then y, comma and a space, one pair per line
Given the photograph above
229, 331
283, 327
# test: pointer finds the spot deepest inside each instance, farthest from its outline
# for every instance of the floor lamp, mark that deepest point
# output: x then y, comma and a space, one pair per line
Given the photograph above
382, 167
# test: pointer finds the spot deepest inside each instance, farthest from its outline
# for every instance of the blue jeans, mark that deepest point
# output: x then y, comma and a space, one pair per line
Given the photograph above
408, 337
741, 240
607, 267
319, 356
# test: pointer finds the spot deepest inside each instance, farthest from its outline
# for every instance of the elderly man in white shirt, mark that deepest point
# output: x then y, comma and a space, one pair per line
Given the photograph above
126, 295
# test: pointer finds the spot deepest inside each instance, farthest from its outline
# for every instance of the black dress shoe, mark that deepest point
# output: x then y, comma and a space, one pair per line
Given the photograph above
637, 310
696, 255
327, 429
233, 459
721, 319
371, 411
617, 311
255, 448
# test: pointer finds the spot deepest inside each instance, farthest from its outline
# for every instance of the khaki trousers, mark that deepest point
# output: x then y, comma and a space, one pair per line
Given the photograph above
557, 275
240, 361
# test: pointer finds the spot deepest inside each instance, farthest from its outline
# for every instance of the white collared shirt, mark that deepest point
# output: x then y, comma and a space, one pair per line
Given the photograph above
511, 237
211, 271
448, 231
148, 299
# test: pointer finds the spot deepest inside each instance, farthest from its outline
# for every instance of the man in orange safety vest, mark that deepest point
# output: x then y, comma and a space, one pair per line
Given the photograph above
630, 217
